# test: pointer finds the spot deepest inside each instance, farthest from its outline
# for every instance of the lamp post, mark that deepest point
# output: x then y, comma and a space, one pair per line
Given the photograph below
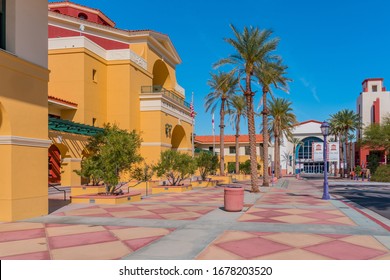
325, 132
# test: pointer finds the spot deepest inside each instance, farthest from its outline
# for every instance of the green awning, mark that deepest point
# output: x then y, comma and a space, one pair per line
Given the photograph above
72, 127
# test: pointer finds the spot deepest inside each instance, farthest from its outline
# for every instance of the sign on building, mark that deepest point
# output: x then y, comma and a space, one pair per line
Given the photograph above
332, 151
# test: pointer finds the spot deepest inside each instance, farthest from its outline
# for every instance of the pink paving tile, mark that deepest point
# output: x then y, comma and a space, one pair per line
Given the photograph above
56, 225
116, 227
136, 244
268, 214
253, 247
120, 209
341, 250
167, 210
321, 215
22, 234
335, 236
80, 239
32, 256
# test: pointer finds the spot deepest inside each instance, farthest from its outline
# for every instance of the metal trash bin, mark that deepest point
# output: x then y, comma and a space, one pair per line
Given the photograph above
233, 199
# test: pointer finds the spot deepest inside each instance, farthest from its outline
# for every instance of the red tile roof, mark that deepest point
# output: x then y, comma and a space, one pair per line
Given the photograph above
203, 139
56, 99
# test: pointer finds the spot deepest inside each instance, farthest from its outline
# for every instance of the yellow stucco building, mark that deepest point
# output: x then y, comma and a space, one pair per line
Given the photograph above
98, 74
101, 74
23, 109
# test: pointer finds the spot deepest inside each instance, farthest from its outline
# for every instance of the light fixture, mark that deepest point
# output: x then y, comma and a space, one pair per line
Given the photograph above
325, 133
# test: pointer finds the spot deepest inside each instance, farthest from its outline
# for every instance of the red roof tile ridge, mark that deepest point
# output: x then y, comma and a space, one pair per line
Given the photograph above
62, 100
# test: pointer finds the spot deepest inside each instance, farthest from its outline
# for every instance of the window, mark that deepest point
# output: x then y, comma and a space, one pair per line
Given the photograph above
2, 24
374, 88
232, 150
82, 16
247, 151
94, 75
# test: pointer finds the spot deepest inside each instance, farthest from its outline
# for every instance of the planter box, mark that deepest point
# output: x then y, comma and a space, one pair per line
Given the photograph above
204, 184
132, 196
222, 179
242, 177
82, 190
171, 189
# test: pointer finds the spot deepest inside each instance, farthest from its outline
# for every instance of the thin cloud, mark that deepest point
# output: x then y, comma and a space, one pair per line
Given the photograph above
312, 89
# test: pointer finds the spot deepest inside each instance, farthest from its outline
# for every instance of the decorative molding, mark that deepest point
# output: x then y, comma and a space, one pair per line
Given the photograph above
180, 89
109, 55
156, 144
24, 141
71, 160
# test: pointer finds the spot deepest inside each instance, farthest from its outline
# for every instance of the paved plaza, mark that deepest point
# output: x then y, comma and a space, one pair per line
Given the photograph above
287, 221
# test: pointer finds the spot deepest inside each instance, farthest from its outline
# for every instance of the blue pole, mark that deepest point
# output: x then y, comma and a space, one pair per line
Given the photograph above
325, 195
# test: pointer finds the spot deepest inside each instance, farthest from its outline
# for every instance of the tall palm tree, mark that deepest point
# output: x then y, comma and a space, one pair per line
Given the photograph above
237, 110
269, 73
251, 46
295, 142
345, 122
223, 86
281, 122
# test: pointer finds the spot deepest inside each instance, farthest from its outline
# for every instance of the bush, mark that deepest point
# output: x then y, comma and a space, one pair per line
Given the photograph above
245, 167
175, 166
207, 163
382, 174
112, 152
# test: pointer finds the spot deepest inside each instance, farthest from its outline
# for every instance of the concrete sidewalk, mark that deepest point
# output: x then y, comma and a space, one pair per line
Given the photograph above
287, 221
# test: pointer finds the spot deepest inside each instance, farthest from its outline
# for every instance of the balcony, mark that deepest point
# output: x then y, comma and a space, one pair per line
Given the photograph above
166, 93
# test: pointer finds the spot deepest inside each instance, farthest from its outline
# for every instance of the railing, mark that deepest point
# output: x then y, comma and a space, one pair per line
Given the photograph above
167, 93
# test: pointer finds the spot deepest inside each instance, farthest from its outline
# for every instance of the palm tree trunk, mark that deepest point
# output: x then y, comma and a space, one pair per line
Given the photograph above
276, 147
221, 138
278, 172
265, 140
252, 134
341, 154
237, 145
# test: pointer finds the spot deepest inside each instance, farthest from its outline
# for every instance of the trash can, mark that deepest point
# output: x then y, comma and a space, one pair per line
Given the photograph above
233, 199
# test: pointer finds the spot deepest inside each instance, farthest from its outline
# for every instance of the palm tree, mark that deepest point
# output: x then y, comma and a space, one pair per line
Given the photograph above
295, 142
344, 122
269, 73
282, 122
237, 111
252, 46
223, 86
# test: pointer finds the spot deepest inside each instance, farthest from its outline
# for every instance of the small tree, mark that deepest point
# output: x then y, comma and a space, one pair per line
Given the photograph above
206, 163
245, 167
111, 153
142, 173
175, 166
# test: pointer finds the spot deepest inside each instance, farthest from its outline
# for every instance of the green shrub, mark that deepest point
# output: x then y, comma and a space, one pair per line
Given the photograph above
207, 164
382, 174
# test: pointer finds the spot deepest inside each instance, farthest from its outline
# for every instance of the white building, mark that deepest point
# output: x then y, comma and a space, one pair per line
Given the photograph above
307, 132
372, 105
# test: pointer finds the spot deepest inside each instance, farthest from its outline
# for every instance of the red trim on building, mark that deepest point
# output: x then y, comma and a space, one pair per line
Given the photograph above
372, 79
74, 10
376, 107
56, 99
107, 44
309, 121
208, 139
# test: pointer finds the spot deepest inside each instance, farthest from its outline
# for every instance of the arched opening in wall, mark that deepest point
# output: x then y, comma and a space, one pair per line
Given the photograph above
82, 16
304, 156
54, 165
178, 137
161, 78
5, 127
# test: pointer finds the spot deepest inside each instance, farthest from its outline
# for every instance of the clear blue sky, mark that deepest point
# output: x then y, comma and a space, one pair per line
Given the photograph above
329, 46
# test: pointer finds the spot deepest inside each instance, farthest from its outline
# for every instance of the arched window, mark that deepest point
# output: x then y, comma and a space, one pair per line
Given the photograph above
82, 16
304, 151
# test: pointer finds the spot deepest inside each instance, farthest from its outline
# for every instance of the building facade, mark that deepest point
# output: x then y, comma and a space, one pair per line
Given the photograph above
212, 144
101, 74
301, 156
372, 105
24, 79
